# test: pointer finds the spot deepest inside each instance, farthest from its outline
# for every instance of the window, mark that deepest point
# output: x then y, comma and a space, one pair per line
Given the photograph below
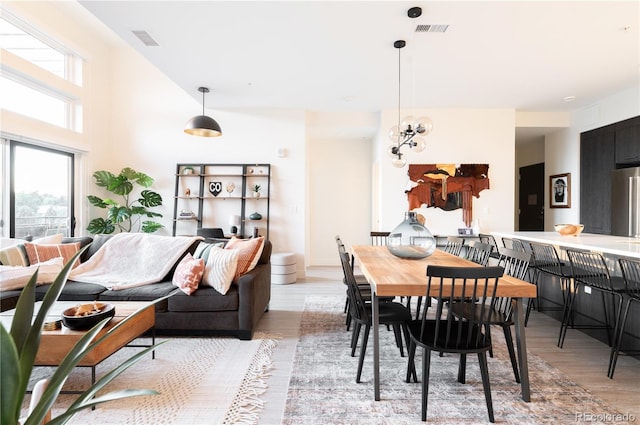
41, 191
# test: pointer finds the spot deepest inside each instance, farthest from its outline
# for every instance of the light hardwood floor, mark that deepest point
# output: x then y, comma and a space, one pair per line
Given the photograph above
583, 359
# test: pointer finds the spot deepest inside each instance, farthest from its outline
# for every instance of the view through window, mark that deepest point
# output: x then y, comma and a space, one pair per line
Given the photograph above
42, 191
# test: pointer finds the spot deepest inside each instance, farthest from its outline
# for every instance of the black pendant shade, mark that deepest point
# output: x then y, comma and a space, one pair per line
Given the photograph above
202, 125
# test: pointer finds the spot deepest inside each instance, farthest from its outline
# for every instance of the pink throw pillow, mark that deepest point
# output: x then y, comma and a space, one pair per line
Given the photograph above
249, 252
188, 274
39, 253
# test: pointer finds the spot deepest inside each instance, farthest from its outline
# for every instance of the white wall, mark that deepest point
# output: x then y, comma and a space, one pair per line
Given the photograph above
476, 136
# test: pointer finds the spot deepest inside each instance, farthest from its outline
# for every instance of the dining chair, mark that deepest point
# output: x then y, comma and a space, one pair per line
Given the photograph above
631, 274
479, 252
445, 332
454, 245
489, 239
393, 314
515, 264
379, 238
590, 270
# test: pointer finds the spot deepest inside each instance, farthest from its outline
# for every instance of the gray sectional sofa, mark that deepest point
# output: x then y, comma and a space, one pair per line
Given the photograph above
205, 312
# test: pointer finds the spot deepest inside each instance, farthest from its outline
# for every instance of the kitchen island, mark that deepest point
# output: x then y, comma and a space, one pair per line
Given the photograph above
589, 308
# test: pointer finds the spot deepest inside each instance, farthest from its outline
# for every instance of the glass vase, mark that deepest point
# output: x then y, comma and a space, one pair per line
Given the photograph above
410, 239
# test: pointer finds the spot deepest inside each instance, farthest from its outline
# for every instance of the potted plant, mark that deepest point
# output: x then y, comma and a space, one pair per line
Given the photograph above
126, 214
256, 190
18, 348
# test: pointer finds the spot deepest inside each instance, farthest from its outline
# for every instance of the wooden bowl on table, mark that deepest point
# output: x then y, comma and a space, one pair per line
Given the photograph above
86, 316
569, 229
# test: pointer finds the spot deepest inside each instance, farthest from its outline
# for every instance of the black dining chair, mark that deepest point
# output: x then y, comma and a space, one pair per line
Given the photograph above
392, 314
479, 252
515, 264
442, 331
631, 274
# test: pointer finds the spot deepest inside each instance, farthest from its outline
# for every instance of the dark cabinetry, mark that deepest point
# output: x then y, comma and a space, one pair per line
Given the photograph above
222, 195
628, 143
596, 163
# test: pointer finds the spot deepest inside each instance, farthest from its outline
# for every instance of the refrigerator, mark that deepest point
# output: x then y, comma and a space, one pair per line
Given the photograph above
625, 202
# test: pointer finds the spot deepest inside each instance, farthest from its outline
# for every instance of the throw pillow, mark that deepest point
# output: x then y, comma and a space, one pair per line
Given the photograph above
220, 268
38, 253
203, 249
15, 277
14, 256
51, 239
249, 253
188, 274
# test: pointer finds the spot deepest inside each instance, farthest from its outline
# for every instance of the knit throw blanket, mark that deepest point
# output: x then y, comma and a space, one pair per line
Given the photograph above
128, 260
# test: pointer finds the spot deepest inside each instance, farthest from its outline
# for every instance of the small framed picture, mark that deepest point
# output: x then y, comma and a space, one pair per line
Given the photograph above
560, 191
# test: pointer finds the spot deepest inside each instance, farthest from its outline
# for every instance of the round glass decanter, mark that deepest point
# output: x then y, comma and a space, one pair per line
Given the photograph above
411, 239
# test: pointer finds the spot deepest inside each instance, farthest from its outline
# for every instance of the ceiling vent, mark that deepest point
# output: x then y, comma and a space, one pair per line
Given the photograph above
432, 28
146, 39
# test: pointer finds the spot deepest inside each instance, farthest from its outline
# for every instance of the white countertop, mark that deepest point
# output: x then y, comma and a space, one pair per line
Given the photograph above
616, 245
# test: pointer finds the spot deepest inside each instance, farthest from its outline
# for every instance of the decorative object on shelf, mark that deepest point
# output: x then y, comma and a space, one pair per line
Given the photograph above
569, 229
256, 190
215, 188
249, 170
255, 216
230, 187
187, 192
188, 171
186, 215
560, 191
411, 239
256, 232
202, 125
407, 130
234, 222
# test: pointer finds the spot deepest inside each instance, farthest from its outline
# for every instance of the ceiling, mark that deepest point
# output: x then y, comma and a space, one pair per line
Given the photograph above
338, 56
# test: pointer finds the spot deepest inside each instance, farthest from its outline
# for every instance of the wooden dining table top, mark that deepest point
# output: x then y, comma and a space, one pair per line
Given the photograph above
394, 276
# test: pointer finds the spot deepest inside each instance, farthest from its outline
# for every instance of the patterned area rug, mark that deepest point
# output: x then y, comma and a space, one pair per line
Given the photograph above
202, 381
322, 388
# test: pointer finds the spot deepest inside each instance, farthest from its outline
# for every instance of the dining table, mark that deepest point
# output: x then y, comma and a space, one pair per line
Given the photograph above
389, 275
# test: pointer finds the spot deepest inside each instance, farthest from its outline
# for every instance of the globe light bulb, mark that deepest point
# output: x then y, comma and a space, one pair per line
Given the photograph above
420, 144
394, 134
392, 151
407, 122
399, 162
424, 125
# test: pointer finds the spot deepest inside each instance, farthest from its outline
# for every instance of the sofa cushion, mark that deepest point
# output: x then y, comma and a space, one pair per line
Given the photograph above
205, 299
83, 241
74, 291
249, 253
14, 256
188, 274
141, 293
38, 253
220, 269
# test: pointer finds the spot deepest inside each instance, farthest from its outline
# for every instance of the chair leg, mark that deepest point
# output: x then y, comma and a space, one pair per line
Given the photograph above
512, 352
615, 350
363, 349
354, 338
418, 306
484, 371
426, 365
411, 363
398, 335
566, 315
462, 368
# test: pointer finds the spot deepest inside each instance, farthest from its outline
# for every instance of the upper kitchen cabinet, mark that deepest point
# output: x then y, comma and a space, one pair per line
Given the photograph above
628, 142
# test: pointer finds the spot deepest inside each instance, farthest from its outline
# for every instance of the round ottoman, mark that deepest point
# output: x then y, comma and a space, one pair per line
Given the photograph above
283, 268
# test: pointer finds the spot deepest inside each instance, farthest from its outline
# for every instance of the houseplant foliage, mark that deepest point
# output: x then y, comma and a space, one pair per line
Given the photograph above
126, 214
18, 348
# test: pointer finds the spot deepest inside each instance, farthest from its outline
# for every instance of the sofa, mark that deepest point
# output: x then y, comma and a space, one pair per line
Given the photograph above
205, 312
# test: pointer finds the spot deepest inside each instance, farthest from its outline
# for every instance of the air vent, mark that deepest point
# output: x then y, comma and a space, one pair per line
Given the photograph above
432, 28
146, 39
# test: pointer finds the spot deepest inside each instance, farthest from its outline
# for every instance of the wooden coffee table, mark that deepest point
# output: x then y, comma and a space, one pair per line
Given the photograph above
56, 344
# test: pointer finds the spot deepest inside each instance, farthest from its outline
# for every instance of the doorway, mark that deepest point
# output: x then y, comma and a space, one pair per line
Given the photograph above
531, 199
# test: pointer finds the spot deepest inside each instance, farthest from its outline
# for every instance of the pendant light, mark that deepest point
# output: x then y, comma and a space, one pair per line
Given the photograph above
202, 125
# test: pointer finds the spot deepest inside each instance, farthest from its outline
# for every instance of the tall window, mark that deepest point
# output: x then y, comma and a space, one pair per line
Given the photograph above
41, 191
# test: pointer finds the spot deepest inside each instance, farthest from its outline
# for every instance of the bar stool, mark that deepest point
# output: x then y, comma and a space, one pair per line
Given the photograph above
514, 244
379, 238
489, 239
590, 270
631, 275
546, 261
479, 252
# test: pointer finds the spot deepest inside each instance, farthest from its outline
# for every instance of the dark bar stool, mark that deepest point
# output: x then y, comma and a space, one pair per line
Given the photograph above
590, 270
489, 239
546, 261
631, 275
379, 238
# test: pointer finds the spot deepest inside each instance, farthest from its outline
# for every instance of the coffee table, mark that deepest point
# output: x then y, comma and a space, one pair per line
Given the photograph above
56, 344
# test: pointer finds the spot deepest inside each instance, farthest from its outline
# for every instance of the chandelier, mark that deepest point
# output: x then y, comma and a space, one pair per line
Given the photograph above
408, 131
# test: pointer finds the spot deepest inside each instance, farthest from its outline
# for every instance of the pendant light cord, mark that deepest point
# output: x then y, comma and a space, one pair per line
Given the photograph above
399, 129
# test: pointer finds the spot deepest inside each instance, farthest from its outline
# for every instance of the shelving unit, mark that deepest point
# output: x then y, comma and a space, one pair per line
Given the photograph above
208, 195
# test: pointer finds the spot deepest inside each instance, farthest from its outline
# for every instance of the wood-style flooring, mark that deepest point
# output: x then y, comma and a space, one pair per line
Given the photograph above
583, 359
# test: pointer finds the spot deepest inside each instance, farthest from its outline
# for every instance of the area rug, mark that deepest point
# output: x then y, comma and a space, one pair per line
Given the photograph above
322, 387
204, 381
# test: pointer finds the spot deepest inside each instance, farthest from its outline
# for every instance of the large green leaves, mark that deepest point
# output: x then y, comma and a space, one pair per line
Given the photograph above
124, 215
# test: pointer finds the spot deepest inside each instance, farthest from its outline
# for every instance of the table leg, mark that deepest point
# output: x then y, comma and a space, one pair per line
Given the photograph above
375, 322
521, 342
